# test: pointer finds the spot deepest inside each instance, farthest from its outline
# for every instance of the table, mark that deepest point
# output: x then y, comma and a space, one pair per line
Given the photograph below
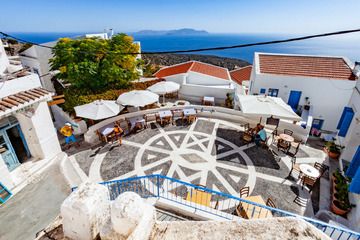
106, 131
251, 211
309, 170
286, 137
165, 115
189, 112
208, 100
199, 197
136, 120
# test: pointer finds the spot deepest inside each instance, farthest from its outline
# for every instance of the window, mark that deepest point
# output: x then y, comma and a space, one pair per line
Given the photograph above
345, 121
273, 92
262, 91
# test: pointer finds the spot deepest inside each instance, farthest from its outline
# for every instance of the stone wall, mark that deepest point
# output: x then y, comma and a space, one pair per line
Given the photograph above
88, 214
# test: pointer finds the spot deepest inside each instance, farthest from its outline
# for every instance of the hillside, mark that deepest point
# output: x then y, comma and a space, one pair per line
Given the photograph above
170, 59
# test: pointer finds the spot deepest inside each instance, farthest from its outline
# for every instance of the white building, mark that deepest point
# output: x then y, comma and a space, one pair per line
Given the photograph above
27, 134
323, 82
199, 79
241, 78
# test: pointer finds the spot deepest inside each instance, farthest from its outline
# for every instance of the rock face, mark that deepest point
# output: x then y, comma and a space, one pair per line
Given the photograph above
171, 59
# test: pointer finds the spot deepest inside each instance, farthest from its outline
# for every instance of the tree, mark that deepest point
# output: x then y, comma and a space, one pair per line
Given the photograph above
93, 65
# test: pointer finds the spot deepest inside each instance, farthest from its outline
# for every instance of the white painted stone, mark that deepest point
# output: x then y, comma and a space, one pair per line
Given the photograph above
126, 212
151, 156
131, 219
160, 143
235, 178
84, 211
177, 138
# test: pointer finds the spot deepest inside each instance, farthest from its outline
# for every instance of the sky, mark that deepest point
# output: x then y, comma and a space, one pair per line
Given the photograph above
215, 16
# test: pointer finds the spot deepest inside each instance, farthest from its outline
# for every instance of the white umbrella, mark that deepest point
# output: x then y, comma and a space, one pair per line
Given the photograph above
137, 98
264, 106
99, 109
164, 87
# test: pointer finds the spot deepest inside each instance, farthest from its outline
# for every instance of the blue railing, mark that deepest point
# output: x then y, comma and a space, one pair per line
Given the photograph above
212, 202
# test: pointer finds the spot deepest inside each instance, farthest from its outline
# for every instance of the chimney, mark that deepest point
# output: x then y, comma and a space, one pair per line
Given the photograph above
356, 70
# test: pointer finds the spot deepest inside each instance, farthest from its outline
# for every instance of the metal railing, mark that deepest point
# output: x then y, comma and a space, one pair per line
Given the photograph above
207, 201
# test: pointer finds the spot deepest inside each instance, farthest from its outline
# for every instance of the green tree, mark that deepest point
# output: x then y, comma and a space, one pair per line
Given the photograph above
93, 65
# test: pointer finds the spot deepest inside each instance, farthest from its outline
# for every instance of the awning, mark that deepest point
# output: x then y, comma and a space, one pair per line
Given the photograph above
23, 99
261, 106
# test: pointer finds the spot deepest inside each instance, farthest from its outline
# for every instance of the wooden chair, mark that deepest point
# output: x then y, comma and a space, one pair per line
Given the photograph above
300, 201
247, 137
191, 119
283, 145
288, 132
244, 192
176, 115
275, 154
125, 126
275, 136
295, 167
270, 203
321, 167
246, 127
150, 118
293, 149
308, 181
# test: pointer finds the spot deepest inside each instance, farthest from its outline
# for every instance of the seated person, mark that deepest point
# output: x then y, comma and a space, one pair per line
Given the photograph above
118, 133
256, 129
260, 136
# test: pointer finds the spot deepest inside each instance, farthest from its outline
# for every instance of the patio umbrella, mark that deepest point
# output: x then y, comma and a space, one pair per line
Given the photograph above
163, 88
99, 109
137, 98
264, 106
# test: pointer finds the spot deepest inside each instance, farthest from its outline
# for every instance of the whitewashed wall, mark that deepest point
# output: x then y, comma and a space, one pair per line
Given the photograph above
4, 61
328, 97
179, 78
203, 79
193, 92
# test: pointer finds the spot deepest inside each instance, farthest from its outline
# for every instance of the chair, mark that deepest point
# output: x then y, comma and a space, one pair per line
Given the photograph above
176, 115
125, 126
247, 137
244, 192
295, 167
283, 145
288, 132
246, 127
275, 136
150, 118
321, 167
300, 201
293, 149
191, 119
270, 203
275, 154
308, 181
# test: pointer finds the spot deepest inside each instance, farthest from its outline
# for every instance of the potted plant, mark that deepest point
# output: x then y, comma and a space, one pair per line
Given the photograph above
229, 101
333, 150
340, 203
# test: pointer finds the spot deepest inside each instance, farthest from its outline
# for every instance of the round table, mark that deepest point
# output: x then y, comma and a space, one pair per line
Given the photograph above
309, 170
286, 137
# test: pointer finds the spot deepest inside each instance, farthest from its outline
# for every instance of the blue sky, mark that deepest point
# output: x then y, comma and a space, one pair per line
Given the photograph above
217, 16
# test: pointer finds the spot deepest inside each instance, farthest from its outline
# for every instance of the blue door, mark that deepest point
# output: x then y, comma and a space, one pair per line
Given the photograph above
7, 152
345, 121
294, 99
354, 165
317, 123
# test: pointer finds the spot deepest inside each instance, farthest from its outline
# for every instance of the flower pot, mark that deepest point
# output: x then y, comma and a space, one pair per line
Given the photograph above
333, 155
335, 208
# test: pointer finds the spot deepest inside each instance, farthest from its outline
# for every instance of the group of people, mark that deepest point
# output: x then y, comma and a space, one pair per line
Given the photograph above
259, 134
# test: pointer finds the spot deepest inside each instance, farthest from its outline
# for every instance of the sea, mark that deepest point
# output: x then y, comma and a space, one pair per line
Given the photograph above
342, 45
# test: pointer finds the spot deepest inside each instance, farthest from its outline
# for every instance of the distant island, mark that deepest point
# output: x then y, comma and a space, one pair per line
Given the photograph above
182, 31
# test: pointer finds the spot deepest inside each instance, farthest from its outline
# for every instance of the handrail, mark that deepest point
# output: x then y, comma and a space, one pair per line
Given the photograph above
158, 183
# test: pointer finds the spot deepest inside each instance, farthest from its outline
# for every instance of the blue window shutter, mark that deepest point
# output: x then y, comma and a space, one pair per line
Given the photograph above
355, 183
346, 121
342, 117
354, 165
262, 90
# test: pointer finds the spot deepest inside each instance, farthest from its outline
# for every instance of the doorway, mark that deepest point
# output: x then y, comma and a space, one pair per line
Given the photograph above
294, 99
18, 143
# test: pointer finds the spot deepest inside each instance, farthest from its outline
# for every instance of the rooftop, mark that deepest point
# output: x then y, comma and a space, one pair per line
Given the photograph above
194, 66
241, 74
305, 65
